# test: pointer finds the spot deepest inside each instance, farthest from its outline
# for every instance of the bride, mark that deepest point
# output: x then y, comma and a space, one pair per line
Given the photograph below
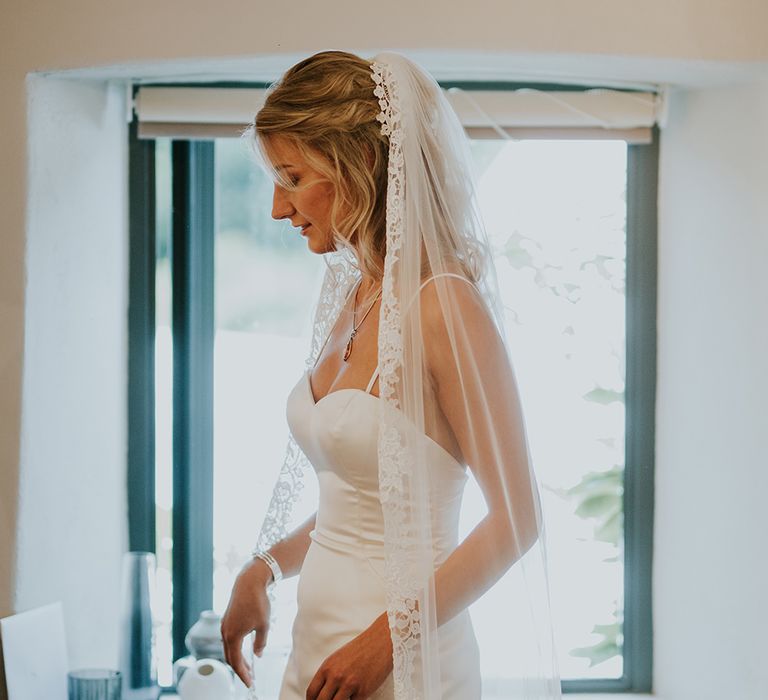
408, 387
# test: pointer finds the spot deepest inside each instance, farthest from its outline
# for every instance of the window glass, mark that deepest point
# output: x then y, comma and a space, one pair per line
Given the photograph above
555, 212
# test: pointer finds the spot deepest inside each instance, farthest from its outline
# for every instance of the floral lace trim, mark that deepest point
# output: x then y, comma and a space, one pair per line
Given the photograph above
395, 462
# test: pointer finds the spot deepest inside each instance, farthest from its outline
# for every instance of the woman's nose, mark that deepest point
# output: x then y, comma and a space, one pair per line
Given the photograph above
281, 205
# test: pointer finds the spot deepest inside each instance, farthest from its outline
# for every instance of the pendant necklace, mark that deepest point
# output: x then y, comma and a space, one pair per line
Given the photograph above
348, 349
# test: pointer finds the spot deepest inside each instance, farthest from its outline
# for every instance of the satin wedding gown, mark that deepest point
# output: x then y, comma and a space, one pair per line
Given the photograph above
341, 587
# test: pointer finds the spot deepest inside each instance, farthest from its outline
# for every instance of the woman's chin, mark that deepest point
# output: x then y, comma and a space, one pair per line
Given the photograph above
320, 247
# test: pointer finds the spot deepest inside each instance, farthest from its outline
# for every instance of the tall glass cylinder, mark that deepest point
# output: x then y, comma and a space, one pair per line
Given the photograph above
138, 660
94, 684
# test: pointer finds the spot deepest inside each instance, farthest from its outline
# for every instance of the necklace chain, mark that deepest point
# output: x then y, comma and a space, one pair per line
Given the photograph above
348, 348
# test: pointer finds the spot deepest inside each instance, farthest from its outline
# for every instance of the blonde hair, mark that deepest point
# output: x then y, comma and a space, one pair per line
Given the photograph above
326, 107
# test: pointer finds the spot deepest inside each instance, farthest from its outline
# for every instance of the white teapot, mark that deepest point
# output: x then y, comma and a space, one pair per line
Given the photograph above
208, 679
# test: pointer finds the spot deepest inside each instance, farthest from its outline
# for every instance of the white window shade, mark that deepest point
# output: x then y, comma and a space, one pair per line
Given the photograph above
202, 112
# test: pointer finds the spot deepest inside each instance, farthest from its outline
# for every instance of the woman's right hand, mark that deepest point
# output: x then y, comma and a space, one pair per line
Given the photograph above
248, 610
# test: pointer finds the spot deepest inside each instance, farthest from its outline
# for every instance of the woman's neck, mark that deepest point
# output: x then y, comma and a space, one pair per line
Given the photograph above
369, 287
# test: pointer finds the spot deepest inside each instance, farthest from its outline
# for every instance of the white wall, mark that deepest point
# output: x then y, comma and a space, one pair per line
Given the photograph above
710, 565
72, 514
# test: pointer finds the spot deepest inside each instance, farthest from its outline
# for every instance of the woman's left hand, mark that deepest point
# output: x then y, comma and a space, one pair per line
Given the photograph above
358, 668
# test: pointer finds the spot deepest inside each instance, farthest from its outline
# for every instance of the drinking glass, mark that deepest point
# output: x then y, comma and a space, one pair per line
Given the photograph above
95, 684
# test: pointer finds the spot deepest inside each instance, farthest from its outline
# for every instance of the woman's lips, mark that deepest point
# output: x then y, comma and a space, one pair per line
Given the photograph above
304, 229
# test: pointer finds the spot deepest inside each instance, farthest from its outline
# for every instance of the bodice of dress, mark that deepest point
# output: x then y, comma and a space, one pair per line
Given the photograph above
342, 586
339, 435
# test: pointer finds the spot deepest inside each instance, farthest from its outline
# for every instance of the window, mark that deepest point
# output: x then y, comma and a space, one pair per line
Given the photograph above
572, 224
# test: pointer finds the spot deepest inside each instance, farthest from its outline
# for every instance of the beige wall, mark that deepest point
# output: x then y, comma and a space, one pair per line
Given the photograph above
48, 36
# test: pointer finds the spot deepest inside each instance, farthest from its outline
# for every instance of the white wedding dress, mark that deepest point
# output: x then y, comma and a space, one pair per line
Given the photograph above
341, 587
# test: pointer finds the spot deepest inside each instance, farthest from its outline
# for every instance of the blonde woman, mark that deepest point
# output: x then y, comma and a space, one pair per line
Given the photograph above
408, 386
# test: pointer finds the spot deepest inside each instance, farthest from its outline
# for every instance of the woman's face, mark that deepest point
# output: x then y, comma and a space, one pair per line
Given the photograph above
309, 206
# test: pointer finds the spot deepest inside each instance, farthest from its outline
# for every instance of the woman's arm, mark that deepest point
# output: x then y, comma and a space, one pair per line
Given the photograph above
291, 551
477, 392
249, 607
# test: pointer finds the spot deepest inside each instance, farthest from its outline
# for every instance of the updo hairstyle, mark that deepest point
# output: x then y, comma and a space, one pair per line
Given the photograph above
326, 107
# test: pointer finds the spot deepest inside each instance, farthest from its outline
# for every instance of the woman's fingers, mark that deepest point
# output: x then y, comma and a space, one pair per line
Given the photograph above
329, 692
260, 639
234, 656
315, 686
329, 686
342, 694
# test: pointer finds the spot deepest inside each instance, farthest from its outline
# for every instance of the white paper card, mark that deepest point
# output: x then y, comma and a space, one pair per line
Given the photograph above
35, 654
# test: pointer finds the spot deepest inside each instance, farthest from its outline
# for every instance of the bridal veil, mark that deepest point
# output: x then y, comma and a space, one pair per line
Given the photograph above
434, 232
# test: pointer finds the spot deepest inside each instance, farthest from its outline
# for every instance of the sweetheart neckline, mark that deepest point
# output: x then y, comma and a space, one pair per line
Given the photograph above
315, 404
335, 391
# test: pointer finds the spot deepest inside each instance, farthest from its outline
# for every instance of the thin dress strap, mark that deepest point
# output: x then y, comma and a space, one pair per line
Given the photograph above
373, 380
423, 284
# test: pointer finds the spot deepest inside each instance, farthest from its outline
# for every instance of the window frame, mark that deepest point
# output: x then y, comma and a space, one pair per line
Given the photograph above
193, 333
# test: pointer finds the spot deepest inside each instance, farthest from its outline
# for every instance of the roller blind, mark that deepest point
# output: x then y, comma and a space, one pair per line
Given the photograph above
598, 113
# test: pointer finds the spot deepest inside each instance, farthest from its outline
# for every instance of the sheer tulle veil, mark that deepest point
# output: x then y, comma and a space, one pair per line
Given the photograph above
440, 301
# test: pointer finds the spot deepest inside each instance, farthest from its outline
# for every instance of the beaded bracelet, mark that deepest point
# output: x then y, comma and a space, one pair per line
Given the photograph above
277, 572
